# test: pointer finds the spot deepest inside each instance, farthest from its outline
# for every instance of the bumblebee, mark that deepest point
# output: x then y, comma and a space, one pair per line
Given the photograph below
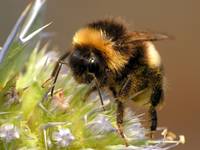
124, 62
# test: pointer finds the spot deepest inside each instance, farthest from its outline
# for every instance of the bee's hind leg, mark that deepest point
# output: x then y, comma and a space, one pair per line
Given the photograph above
156, 98
120, 116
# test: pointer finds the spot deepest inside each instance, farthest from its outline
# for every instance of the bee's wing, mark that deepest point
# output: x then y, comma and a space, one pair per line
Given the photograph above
147, 36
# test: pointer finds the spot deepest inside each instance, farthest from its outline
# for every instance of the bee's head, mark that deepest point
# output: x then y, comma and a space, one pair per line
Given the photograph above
93, 52
85, 63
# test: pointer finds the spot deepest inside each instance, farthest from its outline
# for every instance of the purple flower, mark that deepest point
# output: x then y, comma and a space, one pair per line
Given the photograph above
135, 131
101, 125
9, 132
63, 137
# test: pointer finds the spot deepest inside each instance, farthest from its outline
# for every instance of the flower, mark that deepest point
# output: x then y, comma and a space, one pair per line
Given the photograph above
63, 137
133, 128
9, 132
100, 125
135, 131
59, 102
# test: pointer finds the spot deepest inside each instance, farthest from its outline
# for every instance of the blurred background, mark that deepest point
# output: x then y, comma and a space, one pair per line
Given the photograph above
178, 18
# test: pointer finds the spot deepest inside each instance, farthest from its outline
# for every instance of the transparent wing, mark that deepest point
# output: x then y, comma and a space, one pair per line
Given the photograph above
147, 36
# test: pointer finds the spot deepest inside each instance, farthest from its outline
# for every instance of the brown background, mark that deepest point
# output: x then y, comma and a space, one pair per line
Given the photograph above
179, 18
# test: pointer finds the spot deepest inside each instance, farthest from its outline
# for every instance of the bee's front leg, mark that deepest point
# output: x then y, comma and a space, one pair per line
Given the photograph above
120, 116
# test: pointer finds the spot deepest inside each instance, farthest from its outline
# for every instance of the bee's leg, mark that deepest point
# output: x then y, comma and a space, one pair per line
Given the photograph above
98, 89
46, 82
120, 115
154, 120
56, 70
125, 87
156, 97
55, 77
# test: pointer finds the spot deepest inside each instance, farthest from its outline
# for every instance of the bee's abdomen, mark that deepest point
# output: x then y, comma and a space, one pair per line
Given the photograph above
151, 55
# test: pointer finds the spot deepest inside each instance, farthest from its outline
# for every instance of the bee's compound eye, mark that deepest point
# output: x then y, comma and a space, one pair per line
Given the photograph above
92, 60
77, 63
93, 65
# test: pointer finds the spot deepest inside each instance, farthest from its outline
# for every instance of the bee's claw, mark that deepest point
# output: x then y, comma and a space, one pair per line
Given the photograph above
121, 133
151, 134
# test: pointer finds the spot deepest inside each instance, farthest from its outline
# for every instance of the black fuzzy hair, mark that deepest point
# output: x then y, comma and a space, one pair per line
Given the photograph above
113, 28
